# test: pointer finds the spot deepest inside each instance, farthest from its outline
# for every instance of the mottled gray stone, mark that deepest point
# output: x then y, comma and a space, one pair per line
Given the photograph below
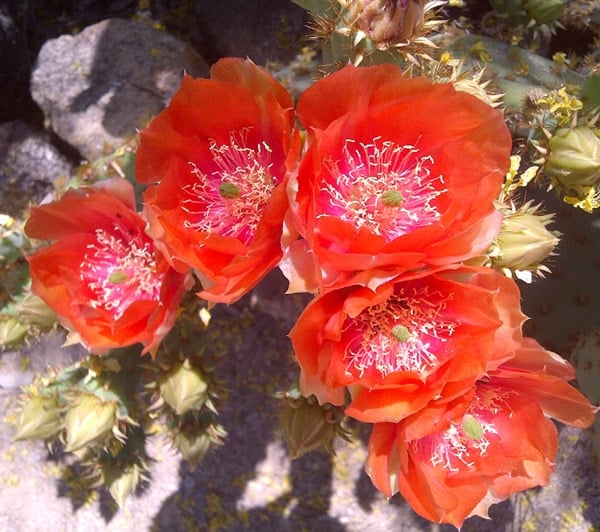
98, 86
29, 164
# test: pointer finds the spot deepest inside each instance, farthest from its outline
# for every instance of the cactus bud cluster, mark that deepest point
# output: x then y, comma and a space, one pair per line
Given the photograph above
385, 21
356, 30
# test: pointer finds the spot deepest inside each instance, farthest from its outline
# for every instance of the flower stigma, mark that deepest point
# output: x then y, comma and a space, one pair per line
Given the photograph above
229, 190
392, 198
401, 333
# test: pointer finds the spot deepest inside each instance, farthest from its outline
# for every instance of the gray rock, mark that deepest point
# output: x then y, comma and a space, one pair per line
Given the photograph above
98, 86
29, 164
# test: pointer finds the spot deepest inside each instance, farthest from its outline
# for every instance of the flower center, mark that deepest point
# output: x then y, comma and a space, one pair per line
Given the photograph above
462, 444
230, 201
389, 189
119, 269
405, 333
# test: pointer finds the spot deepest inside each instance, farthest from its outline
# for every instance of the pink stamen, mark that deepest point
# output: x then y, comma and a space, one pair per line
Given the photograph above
120, 268
389, 189
404, 333
459, 446
231, 200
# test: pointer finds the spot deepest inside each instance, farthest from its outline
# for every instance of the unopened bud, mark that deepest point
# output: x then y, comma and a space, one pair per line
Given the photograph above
194, 440
12, 331
34, 311
385, 21
88, 420
39, 419
574, 159
308, 427
184, 388
545, 11
524, 241
122, 483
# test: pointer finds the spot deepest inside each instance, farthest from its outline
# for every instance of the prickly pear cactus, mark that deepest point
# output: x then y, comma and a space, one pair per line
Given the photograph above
586, 357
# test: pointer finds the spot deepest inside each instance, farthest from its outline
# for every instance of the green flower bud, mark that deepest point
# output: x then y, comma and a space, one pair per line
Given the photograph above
524, 241
12, 331
121, 485
574, 159
39, 419
308, 426
184, 388
194, 439
88, 420
34, 311
545, 11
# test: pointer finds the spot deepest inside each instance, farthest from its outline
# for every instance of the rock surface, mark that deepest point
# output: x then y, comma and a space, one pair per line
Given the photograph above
29, 164
98, 86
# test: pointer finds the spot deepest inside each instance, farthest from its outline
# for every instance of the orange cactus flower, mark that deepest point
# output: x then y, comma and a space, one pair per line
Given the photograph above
454, 460
102, 274
400, 173
217, 158
408, 341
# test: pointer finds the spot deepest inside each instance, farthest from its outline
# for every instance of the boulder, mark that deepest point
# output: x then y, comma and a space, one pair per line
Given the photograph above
29, 165
97, 87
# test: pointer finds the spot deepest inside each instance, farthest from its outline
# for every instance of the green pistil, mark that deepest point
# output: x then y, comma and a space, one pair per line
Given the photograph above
392, 198
117, 277
229, 190
472, 427
401, 333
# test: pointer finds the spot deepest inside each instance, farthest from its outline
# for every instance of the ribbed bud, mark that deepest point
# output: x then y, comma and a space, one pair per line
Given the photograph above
388, 21
34, 311
88, 419
524, 241
545, 11
12, 331
123, 484
184, 388
39, 419
574, 159
307, 426
193, 442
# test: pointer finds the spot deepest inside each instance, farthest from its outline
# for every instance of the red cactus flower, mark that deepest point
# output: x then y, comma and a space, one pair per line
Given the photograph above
454, 460
102, 274
219, 155
400, 173
407, 342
